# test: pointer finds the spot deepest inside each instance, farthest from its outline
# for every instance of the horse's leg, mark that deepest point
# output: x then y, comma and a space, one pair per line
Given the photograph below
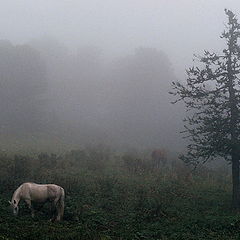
60, 205
52, 211
59, 208
30, 207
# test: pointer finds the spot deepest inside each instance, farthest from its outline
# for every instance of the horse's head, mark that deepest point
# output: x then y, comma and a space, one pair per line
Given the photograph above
14, 206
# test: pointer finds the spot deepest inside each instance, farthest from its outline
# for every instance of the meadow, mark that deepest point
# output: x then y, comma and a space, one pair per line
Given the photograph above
119, 196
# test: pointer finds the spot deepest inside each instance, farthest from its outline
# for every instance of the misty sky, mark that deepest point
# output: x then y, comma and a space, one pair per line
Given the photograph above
178, 27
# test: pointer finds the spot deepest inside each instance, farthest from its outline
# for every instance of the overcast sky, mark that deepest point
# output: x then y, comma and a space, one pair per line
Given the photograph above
178, 27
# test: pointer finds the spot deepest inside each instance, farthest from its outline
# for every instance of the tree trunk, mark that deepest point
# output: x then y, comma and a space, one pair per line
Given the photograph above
235, 182
233, 123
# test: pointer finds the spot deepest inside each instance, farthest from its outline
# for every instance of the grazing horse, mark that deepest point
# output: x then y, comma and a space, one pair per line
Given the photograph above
39, 193
159, 158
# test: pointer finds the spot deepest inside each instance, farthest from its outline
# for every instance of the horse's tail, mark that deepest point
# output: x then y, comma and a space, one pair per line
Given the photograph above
61, 202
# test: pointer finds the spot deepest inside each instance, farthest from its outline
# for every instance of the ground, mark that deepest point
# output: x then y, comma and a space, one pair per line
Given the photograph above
127, 203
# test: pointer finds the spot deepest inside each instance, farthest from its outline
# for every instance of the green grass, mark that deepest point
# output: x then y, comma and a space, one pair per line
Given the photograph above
105, 200
131, 207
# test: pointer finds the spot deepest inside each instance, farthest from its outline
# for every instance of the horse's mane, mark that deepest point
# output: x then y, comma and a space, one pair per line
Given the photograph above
16, 192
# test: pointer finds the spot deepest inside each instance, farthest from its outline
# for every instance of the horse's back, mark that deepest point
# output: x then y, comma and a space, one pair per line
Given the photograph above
40, 192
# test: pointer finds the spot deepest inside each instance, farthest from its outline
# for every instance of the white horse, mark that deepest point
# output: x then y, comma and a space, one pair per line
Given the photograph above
39, 193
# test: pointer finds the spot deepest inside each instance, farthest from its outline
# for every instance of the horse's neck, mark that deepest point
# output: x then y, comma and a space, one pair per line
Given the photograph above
17, 195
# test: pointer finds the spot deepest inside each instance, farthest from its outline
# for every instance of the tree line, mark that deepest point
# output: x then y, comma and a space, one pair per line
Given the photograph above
82, 96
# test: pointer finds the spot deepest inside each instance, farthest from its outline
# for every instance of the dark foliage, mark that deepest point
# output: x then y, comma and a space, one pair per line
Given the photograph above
212, 98
115, 202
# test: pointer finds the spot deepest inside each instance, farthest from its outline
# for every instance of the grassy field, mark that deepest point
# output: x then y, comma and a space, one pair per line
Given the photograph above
119, 197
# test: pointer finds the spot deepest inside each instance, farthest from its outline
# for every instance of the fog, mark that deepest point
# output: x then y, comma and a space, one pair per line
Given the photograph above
79, 72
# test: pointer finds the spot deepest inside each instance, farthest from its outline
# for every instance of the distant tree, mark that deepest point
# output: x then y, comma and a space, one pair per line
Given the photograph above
159, 158
212, 98
140, 99
22, 87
